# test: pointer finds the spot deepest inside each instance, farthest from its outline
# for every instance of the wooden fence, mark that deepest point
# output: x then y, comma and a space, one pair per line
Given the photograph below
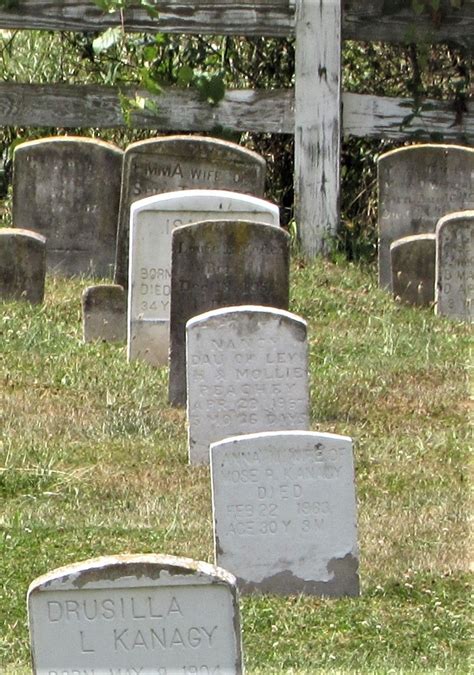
315, 111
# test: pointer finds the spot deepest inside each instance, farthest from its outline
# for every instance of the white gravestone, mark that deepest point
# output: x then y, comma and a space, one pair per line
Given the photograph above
417, 185
455, 266
285, 512
152, 222
135, 615
247, 371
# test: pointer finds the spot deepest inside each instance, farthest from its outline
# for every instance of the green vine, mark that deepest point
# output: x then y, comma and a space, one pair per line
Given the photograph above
211, 88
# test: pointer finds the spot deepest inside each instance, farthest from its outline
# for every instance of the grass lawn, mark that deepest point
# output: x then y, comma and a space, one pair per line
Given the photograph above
93, 461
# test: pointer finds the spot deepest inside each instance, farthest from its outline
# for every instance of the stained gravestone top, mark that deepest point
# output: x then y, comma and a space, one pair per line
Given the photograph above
178, 163
153, 221
146, 614
455, 266
22, 265
285, 512
247, 372
68, 189
417, 186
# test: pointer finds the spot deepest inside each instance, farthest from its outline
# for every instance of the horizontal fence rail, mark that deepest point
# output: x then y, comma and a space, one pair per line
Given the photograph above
265, 111
364, 20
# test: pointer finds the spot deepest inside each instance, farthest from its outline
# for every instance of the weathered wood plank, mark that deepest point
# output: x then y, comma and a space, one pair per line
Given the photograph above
366, 20
68, 106
72, 106
317, 123
223, 17
395, 21
383, 117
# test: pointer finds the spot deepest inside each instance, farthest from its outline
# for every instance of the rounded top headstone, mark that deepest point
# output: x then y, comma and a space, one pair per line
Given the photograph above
136, 569
22, 232
68, 140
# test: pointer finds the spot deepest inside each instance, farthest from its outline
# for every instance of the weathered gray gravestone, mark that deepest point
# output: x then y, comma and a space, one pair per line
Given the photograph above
104, 313
285, 512
136, 614
413, 269
455, 266
68, 189
247, 372
152, 222
218, 264
178, 163
418, 185
22, 265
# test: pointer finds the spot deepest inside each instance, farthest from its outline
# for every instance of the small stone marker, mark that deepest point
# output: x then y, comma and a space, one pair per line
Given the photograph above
417, 186
135, 614
104, 313
413, 269
174, 163
22, 265
153, 221
68, 189
285, 512
455, 266
247, 372
220, 264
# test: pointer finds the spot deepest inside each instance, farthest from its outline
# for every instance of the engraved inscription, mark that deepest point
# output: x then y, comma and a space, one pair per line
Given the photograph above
456, 269
151, 173
138, 631
247, 372
279, 498
234, 383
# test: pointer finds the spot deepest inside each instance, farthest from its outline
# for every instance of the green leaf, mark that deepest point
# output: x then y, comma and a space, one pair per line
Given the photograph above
150, 8
107, 39
185, 75
211, 89
417, 6
149, 53
147, 81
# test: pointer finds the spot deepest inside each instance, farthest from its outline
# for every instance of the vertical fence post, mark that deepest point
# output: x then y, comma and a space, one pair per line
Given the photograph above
317, 122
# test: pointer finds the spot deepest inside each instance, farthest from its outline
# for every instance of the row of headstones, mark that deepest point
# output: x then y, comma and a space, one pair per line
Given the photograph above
283, 497
177, 275
426, 216
77, 192
284, 517
57, 195
284, 522
437, 268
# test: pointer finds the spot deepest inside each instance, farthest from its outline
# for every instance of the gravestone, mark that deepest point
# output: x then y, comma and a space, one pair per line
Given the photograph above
153, 221
135, 614
247, 372
220, 264
174, 163
413, 269
455, 266
22, 265
68, 189
417, 185
285, 512
104, 313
